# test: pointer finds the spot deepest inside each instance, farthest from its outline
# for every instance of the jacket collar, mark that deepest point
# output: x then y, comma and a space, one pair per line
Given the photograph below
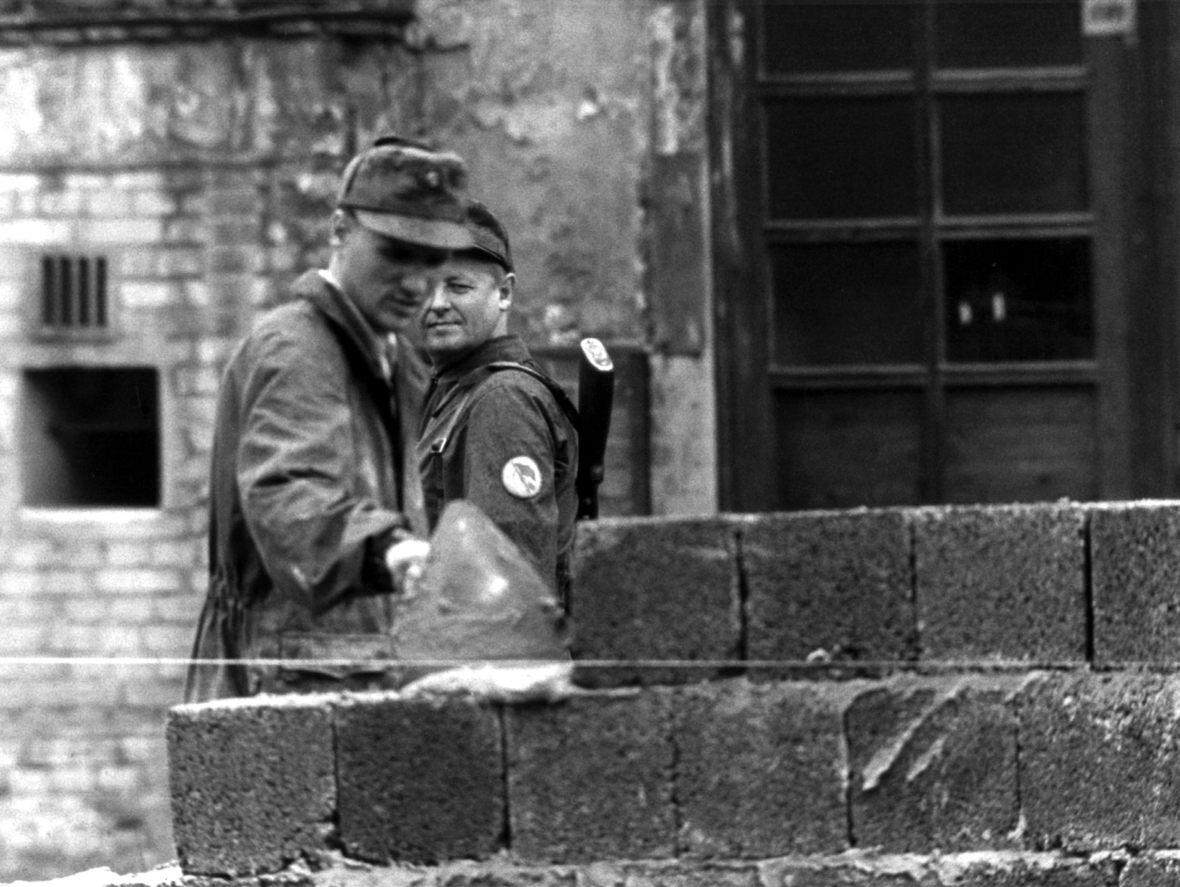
321, 291
509, 347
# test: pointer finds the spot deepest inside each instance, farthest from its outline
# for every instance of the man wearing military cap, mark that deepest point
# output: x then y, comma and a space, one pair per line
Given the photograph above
312, 482
496, 430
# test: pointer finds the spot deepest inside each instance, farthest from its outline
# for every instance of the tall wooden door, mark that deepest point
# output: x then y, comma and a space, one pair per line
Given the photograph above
925, 293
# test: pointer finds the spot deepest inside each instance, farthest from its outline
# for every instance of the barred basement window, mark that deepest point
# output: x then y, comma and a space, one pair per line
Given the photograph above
74, 294
90, 437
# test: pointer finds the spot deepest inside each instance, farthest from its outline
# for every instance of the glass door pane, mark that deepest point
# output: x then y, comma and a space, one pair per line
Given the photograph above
1018, 300
839, 304
1009, 154
1007, 33
841, 158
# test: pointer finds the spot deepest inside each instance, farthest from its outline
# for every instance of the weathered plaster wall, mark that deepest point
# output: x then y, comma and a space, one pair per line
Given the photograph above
585, 121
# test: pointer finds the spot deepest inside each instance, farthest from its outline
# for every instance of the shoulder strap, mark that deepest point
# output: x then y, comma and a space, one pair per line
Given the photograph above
443, 435
559, 395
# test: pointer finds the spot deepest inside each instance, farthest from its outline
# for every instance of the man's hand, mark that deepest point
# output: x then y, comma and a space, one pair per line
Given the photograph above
406, 561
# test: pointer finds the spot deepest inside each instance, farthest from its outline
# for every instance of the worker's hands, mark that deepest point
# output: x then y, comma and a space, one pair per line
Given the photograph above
406, 560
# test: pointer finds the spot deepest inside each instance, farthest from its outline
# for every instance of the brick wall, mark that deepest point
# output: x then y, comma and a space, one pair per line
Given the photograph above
970, 695
196, 146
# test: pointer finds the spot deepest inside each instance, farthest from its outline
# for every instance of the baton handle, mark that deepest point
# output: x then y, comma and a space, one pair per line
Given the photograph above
596, 389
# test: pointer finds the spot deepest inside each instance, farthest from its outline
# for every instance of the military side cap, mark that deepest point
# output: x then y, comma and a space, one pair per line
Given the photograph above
406, 190
489, 235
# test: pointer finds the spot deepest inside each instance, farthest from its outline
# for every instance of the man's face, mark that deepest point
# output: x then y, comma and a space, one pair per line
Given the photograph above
468, 305
386, 279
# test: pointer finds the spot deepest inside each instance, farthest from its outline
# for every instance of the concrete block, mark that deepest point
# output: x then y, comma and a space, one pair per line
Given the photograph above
1001, 583
252, 782
835, 584
933, 764
590, 778
760, 769
1135, 581
647, 591
1098, 761
419, 780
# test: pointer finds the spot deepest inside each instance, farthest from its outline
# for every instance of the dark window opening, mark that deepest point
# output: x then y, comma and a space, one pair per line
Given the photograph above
91, 437
73, 293
1014, 300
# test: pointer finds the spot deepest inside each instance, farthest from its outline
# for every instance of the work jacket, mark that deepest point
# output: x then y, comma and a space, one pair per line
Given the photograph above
495, 435
307, 491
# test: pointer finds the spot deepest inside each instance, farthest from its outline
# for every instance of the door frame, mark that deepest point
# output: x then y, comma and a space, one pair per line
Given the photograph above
1134, 134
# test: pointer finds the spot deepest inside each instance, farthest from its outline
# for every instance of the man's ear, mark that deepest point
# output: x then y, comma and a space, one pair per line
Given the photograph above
507, 288
340, 226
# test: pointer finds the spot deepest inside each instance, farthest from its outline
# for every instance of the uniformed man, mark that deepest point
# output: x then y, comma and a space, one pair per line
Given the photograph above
313, 481
496, 430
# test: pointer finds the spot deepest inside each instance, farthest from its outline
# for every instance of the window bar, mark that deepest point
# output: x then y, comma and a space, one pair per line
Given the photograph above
100, 292
65, 291
48, 292
84, 295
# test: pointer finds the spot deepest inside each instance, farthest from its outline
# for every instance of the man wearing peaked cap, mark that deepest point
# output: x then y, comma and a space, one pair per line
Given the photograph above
496, 430
316, 421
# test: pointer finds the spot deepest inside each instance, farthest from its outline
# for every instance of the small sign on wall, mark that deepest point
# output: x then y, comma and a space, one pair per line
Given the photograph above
1101, 18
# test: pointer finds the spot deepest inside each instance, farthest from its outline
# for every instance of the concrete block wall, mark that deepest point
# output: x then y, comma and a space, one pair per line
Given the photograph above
886, 697
1061, 585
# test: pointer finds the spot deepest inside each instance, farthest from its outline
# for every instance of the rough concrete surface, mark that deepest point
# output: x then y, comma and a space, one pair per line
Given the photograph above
419, 780
934, 764
652, 591
1135, 577
1100, 761
760, 770
591, 778
834, 584
253, 782
1001, 582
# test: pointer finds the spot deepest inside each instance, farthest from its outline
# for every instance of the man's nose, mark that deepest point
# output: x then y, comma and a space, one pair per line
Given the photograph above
436, 298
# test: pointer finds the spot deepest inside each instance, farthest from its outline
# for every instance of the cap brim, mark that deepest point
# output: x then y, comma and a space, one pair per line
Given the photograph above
426, 232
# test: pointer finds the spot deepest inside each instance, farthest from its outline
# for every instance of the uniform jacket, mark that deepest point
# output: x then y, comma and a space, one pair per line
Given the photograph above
306, 493
500, 440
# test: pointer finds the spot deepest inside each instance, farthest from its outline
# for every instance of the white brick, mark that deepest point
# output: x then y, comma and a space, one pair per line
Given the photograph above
60, 203
198, 380
12, 293
166, 640
121, 230
128, 554
22, 639
127, 610
178, 608
143, 580
31, 553
21, 582
179, 554
153, 203
136, 180
119, 779
19, 181
40, 232
146, 294
68, 582
112, 202
196, 293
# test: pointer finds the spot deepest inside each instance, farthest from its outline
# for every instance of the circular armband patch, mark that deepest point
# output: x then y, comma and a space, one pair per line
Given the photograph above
521, 477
